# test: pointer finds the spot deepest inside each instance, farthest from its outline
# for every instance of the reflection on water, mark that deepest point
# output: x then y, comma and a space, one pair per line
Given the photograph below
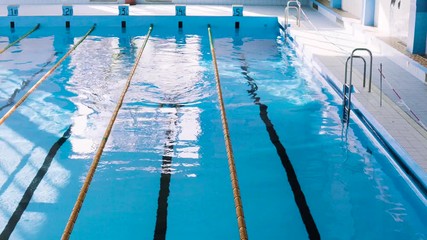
34, 170
19, 70
171, 73
100, 68
156, 136
157, 97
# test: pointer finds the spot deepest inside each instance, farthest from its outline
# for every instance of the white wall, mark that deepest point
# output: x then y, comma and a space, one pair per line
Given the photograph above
391, 16
353, 6
393, 19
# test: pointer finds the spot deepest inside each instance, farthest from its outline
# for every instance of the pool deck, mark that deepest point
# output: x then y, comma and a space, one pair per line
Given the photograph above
325, 43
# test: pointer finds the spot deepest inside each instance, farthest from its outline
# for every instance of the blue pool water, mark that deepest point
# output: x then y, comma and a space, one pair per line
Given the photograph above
164, 170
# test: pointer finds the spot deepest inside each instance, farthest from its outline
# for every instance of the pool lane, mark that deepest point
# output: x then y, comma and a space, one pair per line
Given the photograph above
82, 194
77, 94
347, 180
272, 196
299, 196
200, 201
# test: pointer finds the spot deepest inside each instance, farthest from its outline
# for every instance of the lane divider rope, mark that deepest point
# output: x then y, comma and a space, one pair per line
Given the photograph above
232, 167
19, 39
79, 202
45, 76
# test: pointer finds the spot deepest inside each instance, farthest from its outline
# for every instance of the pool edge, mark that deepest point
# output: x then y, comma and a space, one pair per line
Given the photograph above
408, 165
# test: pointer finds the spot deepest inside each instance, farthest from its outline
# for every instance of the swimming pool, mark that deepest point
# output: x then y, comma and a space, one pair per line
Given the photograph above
164, 170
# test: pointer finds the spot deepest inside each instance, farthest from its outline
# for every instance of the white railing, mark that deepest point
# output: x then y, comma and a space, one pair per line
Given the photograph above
293, 4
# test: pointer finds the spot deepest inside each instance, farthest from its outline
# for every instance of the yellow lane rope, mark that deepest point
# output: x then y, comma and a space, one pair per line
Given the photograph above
44, 77
79, 202
19, 39
233, 174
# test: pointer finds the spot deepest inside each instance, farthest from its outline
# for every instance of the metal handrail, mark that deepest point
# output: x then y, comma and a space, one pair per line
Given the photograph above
297, 7
364, 69
370, 65
348, 86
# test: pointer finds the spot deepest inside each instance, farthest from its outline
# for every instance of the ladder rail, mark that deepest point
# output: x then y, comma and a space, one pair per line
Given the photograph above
297, 7
370, 65
364, 69
346, 103
348, 86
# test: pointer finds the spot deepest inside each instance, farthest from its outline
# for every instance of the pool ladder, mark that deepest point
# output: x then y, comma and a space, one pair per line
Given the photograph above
293, 4
348, 86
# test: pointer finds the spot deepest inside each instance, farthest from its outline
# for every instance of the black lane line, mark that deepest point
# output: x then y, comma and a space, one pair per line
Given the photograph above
299, 197
26, 198
165, 179
24, 84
